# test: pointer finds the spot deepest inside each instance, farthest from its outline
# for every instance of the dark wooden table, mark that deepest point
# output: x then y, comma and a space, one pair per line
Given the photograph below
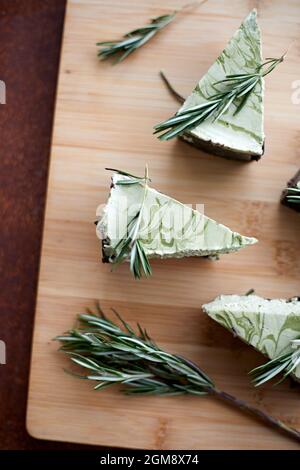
30, 39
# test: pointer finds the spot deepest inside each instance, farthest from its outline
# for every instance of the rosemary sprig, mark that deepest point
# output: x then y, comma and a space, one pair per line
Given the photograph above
134, 39
238, 88
120, 49
117, 355
285, 364
293, 195
130, 246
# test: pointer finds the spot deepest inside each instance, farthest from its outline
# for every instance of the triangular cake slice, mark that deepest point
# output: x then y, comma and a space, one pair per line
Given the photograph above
270, 326
239, 136
169, 229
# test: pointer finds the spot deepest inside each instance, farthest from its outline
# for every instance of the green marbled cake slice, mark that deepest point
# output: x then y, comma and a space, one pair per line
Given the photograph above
169, 228
240, 136
268, 325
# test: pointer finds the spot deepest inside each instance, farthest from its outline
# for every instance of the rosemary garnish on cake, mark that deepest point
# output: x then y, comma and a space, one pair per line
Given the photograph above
285, 364
130, 246
236, 89
293, 195
113, 354
290, 197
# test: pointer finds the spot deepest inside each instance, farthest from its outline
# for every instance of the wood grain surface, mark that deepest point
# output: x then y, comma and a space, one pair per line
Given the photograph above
104, 117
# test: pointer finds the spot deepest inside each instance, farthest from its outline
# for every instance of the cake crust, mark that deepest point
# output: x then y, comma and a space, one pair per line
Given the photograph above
221, 150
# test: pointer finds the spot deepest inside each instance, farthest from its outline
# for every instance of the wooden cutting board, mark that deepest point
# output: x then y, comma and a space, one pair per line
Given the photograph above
104, 117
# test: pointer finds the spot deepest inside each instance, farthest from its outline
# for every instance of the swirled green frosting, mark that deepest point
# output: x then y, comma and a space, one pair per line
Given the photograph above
243, 132
268, 325
168, 229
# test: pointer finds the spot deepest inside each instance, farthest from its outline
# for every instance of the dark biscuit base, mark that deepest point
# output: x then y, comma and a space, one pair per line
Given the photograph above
221, 150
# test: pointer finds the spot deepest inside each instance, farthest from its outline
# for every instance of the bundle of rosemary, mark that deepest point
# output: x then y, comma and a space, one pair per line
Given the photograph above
118, 355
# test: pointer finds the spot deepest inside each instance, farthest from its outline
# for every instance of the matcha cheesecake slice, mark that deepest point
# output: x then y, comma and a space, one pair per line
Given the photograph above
291, 195
239, 132
270, 326
139, 223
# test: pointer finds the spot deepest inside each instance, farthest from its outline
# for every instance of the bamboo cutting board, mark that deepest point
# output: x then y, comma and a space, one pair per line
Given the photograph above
104, 117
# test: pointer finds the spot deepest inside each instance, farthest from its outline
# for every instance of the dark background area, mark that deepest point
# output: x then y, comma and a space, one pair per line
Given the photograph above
30, 40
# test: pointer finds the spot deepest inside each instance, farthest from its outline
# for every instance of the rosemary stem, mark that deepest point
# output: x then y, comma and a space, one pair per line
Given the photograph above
136, 231
172, 90
250, 409
191, 5
268, 419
